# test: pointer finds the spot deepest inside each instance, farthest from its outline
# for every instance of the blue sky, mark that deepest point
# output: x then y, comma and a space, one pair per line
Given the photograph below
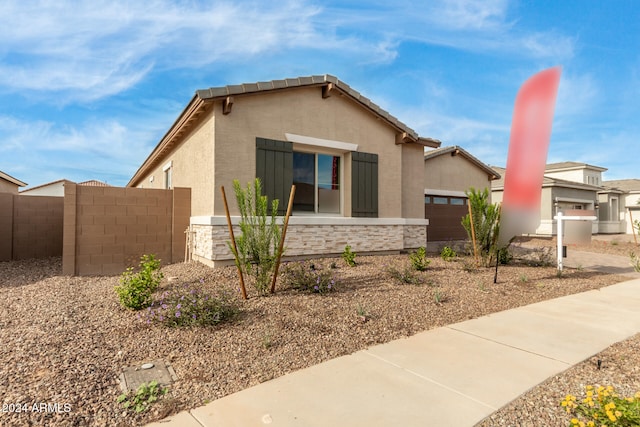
87, 89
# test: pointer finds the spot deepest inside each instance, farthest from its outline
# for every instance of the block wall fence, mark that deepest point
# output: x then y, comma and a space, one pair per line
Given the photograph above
107, 229
30, 226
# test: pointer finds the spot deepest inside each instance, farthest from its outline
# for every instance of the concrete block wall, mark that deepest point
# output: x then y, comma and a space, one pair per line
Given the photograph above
107, 229
6, 226
30, 226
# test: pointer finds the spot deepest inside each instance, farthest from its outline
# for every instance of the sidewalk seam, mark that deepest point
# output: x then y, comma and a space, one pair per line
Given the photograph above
430, 380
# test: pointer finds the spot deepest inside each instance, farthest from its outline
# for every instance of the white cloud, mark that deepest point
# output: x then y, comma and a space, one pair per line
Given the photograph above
94, 49
89, 50
95, 148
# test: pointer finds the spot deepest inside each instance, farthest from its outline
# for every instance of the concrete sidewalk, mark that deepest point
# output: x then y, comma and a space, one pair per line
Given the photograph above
454, 375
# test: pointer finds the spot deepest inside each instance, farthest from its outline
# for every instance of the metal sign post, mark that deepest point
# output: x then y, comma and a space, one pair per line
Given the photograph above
560, 218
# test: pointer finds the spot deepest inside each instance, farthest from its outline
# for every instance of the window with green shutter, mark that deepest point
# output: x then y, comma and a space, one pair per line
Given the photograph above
364, 184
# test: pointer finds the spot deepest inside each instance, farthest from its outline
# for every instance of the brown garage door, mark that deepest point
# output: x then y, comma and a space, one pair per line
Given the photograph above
445, 215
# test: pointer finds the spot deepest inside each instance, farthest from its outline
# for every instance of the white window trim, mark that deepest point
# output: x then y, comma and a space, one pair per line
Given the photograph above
340, 146
167, 165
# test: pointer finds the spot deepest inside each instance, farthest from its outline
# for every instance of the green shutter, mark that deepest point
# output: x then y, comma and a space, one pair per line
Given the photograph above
364, 184
274, 167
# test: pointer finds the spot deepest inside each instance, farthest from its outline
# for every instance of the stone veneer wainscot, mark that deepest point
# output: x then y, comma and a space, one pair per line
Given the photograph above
314, 236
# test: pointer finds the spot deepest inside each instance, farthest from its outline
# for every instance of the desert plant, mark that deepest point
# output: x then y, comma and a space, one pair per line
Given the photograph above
602, 406
363, 314
635, 261
406, 276
189, 305
504, 256
308, 277
136, 288
447, 254
419, 259
439, 297
349, 256
485, 224
143, 397
257, 245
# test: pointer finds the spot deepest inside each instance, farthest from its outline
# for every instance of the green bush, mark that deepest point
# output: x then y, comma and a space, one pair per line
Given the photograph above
348, 256
308, 277
257, 245
419, 259
143, 397
447, 254
136, 289
190, 305
407, 276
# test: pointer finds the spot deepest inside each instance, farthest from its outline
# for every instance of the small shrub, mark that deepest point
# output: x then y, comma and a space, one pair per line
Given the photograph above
504, 256
439, 297
308, 277
136, 289
635, 261
407, 276
419, 259
143, 397
363, 314
188, 305
447, 254
602, 406
348, 256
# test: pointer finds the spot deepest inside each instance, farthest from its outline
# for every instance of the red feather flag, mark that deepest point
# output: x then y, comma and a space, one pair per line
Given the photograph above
528, 147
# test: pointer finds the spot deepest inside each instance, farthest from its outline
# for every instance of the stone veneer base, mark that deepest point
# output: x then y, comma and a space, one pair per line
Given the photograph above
315, 236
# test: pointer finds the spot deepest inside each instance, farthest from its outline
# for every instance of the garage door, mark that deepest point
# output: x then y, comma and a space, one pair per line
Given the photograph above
445, 216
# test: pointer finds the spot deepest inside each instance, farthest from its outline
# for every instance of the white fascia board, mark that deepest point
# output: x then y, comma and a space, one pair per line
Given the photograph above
318, 142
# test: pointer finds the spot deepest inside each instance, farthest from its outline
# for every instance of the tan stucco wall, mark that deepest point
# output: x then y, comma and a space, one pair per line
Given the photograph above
304, 112
8, 187
193, 166
412, 189
454, 173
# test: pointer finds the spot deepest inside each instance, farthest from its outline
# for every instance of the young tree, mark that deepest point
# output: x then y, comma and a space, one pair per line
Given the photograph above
485, 223
258, 244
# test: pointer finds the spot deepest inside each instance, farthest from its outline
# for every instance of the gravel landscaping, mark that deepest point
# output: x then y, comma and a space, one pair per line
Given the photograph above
66, 339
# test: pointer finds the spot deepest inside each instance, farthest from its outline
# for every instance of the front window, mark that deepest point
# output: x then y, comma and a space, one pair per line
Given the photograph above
317, 181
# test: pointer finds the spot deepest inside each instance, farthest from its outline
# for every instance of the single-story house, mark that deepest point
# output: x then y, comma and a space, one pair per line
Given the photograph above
9, 184
355, 166
448, 173
56, 188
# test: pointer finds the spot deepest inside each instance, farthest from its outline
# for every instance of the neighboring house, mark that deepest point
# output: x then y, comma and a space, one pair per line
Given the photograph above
448, 173
565, 186
9, 184
354, 165
56, 188
619, 201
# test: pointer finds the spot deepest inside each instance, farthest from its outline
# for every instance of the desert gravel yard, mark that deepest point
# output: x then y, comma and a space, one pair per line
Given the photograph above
65, 340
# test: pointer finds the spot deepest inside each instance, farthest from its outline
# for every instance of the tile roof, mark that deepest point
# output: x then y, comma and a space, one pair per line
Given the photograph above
571, 165
317, 80
623, 184
547, 181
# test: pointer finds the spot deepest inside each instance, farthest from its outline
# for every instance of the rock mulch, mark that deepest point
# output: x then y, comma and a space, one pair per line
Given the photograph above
65, 340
